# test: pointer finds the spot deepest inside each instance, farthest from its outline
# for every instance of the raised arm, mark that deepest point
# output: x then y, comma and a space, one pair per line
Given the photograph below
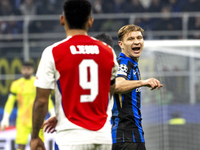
125, 86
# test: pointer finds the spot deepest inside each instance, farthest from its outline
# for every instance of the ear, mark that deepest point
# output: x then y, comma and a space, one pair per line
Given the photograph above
120, 44
62, 20
90, 22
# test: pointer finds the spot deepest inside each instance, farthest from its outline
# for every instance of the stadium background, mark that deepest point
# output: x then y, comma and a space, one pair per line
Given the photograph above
171, 27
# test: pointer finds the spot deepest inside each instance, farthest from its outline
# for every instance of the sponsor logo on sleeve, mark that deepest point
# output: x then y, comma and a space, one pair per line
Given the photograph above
123, 69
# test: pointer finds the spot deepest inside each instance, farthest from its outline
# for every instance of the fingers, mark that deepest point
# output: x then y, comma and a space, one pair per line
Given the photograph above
154, 83
49, 128
44, 123
50, 125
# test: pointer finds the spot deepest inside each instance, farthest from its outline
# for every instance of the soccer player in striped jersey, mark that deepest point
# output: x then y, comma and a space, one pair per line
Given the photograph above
82, 71
23, 91
127, 131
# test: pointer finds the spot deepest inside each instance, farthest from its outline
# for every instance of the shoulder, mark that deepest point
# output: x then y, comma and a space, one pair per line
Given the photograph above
48, 50
123, 60
17, 82
33, 78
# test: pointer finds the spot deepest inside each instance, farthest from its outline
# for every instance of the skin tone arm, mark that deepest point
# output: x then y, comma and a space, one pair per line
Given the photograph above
40, 109
125, 86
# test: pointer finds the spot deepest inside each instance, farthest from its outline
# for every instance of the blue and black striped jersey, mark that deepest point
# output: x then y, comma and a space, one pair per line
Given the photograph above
126, 112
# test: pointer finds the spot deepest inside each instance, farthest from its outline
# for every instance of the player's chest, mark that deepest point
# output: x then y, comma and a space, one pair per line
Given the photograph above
134, 74
26, 88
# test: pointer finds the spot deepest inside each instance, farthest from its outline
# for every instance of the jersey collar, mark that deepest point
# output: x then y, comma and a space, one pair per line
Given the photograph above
131, 60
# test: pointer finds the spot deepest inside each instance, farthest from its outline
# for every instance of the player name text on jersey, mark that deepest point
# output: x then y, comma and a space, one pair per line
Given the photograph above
84, 49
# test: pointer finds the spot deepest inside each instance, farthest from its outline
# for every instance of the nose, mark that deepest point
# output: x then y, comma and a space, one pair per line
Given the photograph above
136, 41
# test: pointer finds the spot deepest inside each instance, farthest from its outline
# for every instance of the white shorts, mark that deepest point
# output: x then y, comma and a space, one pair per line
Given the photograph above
86, 147
83, 137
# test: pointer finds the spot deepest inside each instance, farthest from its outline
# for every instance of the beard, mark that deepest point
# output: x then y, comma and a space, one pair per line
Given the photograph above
27, 76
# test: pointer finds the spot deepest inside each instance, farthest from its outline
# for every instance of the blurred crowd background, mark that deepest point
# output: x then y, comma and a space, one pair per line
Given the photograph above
53, 7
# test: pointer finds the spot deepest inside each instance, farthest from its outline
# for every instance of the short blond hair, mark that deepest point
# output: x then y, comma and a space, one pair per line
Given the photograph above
128, 28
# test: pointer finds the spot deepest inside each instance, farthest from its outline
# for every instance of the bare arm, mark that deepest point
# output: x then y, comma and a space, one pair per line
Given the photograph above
125, 86
40, 109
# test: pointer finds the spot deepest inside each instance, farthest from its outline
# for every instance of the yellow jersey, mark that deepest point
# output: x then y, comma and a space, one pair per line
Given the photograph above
24, 91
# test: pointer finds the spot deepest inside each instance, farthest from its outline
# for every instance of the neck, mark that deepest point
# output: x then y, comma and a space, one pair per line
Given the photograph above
27, 77
133, 58
73, 32
136, 59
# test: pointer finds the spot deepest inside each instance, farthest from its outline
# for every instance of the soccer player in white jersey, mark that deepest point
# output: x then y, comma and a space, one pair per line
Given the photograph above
82, 71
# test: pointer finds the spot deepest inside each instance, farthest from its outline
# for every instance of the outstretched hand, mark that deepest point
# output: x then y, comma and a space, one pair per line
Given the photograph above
50, 125
153, 83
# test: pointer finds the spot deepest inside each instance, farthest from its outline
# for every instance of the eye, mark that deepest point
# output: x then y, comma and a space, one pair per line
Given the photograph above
140, 37
130, 38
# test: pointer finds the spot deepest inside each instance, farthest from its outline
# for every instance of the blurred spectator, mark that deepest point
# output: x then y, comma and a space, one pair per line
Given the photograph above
12, 27
191, 6
194, 24
155, 6
134, 6
147, 24
177, 119
7, 10
118, 6
97, 7
15, 3
36, 27
9, 27
49, 7
112, 24
28, 7
175, 6
107, 6
167, 23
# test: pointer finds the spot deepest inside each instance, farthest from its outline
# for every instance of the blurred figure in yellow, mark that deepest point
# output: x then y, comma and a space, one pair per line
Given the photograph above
177, 119
24, 91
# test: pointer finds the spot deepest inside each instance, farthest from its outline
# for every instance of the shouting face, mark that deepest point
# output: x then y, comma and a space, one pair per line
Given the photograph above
132, 44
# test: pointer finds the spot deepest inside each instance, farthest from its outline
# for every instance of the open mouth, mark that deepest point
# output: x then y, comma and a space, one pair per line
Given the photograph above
136, 48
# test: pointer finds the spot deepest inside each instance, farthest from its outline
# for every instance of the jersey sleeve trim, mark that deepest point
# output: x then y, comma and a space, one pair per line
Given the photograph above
112, 82
45, 76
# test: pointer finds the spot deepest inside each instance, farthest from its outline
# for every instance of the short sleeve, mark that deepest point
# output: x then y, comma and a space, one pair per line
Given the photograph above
123, 70
13, 88
45, 75
115, 67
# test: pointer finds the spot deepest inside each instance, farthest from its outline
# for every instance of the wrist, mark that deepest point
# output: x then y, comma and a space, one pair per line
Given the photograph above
142, 82
6, 116
34, 136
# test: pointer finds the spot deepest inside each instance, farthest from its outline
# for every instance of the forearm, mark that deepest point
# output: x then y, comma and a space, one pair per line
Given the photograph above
10, 104
125, 86
40, 110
